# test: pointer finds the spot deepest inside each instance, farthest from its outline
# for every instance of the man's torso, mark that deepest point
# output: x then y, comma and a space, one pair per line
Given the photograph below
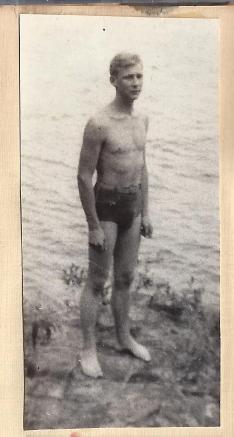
121, 158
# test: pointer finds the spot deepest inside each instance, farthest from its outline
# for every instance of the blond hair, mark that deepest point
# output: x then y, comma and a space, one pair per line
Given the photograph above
123, 60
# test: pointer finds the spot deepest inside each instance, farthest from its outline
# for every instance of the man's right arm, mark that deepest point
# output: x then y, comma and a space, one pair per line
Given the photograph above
89, 155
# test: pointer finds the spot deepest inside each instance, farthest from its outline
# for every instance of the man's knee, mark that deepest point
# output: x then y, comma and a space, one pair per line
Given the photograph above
97, 282
124, 279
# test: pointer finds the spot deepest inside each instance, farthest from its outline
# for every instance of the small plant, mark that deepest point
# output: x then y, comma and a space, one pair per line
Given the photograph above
144, 279
74, 275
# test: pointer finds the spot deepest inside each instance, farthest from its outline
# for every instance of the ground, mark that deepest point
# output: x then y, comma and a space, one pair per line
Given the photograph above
179, 387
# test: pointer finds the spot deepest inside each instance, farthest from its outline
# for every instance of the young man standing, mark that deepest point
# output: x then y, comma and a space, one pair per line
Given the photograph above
116, 208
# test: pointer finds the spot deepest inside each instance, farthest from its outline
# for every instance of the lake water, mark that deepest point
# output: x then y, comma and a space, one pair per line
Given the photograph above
64, 80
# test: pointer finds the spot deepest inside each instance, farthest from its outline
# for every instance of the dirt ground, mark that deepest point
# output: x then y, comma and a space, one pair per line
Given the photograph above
179, 387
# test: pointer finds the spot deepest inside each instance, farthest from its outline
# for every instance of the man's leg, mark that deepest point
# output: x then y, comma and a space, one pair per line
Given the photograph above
99, 265
125, 259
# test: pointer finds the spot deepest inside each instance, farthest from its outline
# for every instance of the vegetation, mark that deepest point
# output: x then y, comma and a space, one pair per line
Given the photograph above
180, 387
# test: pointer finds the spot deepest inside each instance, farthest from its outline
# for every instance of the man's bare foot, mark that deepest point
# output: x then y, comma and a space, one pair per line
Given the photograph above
136, 349
90, 365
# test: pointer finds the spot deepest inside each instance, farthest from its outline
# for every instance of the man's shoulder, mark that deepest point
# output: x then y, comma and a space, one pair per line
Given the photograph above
106, 116
97, 126
143, 117
99, 119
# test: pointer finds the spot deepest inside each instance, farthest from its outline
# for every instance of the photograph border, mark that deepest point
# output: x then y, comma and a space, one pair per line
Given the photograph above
11, 330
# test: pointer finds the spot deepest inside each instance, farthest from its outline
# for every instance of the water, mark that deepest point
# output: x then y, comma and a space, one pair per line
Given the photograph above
64, 80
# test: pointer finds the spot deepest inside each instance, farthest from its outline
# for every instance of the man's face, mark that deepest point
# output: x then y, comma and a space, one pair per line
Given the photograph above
128, 82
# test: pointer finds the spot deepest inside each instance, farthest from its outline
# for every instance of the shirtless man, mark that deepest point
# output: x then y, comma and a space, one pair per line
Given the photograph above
116, 208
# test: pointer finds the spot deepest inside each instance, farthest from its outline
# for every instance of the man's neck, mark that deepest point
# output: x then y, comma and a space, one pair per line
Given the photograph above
123, 105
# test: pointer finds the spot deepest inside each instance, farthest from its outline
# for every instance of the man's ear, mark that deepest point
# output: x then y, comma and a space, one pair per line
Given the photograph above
113, 81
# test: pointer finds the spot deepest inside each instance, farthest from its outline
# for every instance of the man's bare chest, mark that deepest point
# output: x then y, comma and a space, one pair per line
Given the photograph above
125, 136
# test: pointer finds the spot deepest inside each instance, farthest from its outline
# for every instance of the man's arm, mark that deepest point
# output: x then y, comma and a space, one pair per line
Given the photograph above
146, 227
89, 155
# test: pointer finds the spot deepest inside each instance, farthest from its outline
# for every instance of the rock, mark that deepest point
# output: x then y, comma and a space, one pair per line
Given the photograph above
31, 369
140, 410
212, 414
56, 392
162, 300
143, 377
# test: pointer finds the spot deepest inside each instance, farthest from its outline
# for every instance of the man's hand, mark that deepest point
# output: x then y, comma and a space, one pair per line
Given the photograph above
146, 227
97, 238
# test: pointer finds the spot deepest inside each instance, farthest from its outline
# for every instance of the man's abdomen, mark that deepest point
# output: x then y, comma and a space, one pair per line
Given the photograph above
121, 171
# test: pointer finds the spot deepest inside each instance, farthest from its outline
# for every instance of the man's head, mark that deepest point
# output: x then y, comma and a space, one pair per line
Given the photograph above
126, 75
123, 60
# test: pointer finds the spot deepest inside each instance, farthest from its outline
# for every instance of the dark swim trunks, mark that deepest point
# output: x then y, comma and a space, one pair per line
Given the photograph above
120, 206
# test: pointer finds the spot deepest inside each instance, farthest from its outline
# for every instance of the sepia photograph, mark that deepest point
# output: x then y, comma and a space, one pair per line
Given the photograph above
120, 221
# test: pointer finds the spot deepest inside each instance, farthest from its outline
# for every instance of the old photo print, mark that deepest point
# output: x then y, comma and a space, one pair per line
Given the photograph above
174, 308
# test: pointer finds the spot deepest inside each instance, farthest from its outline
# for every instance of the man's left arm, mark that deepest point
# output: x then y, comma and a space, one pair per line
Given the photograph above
146, 226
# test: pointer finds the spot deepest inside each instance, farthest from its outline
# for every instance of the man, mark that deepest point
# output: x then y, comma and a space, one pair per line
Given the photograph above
116, 208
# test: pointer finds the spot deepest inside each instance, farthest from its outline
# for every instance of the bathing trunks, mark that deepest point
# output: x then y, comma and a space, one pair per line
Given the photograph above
120, 206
